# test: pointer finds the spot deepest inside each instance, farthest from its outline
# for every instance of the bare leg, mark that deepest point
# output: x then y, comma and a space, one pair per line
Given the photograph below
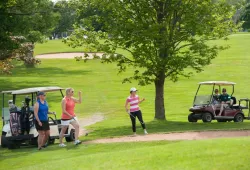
221, 108
61, 136
40, 138
46, 137
75, 124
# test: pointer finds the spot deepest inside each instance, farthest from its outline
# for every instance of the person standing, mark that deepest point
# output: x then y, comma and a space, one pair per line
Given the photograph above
134, 110
41, 111
68, 115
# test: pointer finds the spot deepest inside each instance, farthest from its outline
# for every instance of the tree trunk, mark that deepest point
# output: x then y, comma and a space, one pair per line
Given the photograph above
159, 97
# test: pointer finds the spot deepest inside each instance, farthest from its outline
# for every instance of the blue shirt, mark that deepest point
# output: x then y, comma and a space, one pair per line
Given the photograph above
43, 111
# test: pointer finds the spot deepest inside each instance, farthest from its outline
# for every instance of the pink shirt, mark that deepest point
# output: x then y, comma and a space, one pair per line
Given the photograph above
70, 106
133, 102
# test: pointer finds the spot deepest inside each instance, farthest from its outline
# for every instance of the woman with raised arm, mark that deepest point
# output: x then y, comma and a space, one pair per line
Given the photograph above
68, 115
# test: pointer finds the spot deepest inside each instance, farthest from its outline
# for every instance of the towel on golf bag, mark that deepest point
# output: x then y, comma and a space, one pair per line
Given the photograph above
15, 123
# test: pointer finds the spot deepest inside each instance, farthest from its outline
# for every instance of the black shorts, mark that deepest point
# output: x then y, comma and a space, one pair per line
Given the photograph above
45, 125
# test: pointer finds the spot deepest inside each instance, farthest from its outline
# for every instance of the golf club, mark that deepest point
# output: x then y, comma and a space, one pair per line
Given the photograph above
134, 117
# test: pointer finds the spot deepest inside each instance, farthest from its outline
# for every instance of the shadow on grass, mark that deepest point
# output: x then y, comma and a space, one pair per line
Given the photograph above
166, 127
9, 85
21, 71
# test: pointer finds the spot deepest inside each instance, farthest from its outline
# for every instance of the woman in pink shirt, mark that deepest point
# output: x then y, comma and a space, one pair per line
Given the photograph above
68, 115
134, 111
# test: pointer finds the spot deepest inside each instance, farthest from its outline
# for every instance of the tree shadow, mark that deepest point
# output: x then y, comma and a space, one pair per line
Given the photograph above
21, 71
8, 84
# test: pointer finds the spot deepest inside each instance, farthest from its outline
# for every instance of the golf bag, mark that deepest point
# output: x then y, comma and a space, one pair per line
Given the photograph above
25, 116
15, 123
15, 119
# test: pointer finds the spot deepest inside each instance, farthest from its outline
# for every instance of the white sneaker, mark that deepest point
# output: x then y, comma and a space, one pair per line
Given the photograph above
77, 142
62, 145
134, 135
145, 132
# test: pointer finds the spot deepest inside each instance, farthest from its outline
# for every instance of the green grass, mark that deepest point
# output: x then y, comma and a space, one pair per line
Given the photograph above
56, 46
214, 154
104, 93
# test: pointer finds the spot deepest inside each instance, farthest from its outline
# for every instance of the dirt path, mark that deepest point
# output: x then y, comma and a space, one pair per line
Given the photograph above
66, 55
176, 136
97, 117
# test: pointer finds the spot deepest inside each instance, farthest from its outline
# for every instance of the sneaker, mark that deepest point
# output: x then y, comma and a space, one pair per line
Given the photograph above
145, 132
62, 145
134, 135
77, 142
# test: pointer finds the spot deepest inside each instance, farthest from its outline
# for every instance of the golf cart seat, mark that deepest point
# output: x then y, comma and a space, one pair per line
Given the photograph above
234, 100
235, 105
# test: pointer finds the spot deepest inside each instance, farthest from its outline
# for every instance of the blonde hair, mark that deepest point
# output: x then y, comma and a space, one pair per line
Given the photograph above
67, 90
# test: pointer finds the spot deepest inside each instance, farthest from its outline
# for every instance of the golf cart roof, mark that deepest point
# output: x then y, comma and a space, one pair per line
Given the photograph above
221, 83
33, 90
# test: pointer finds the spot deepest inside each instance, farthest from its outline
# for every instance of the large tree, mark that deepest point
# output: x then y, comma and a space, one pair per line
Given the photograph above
67, 11
166, 39
22, 23
245, 16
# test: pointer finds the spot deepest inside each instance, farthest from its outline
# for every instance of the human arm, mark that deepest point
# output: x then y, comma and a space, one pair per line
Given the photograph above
126, 106
140, 101
64, 108
36, 108
79, 100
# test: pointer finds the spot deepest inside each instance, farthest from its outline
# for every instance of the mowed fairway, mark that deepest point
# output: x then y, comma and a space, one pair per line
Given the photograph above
103, 93
230, 154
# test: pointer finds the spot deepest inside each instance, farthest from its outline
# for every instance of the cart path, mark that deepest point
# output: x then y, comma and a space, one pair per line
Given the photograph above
66, 55
83, 122
175, 136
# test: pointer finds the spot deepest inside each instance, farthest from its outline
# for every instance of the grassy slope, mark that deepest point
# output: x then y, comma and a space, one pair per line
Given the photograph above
187, 155
54, 46
103, 91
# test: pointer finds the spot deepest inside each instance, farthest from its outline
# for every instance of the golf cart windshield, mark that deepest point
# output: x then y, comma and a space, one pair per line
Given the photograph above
202, 100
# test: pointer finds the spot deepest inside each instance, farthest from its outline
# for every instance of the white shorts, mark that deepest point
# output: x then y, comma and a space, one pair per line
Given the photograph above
67, 122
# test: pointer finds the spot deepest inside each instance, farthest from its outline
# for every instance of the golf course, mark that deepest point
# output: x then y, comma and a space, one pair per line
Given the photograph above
104, 94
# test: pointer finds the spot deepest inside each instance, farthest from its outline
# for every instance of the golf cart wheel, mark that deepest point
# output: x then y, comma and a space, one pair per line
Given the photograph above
13, 145
239, 117
207, 117
4, 141
51, 141
191, 118
71, 136
221, 120
33, 141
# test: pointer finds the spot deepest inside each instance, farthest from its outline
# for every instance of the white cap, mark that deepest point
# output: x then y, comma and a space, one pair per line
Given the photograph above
133, 89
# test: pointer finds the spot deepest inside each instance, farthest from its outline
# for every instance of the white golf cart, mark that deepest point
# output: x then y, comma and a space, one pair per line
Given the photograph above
18, 122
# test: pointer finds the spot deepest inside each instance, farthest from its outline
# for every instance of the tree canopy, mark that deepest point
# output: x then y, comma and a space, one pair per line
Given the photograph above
23, 21
166, 39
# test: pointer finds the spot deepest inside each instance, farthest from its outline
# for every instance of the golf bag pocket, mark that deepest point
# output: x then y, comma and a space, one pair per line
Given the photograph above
15, 123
